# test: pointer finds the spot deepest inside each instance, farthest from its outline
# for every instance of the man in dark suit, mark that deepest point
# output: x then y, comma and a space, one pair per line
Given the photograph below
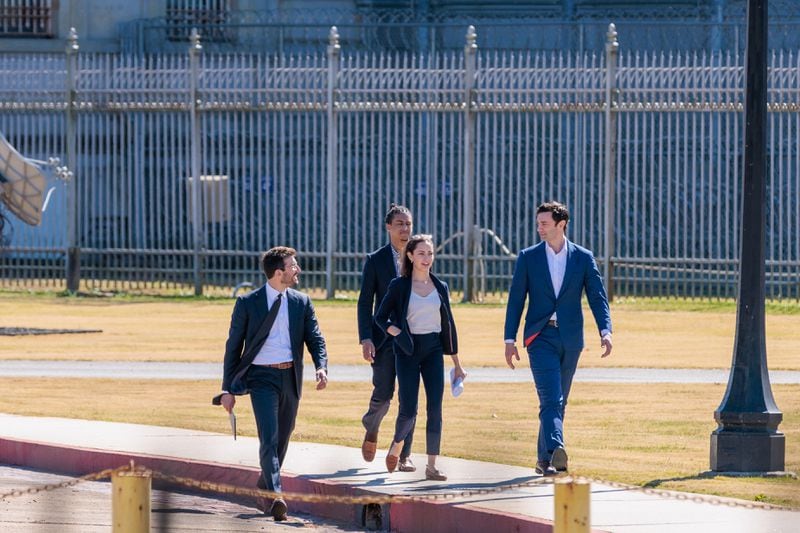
553, 276
381, 267
264, 357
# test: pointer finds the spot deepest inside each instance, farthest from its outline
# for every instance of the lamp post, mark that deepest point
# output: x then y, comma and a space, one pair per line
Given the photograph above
747, 437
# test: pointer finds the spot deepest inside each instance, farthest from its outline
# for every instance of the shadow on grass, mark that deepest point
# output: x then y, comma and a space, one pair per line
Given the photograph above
710, 474
653, 483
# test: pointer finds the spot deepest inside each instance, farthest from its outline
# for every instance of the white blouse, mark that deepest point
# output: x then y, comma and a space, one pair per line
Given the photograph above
423, 313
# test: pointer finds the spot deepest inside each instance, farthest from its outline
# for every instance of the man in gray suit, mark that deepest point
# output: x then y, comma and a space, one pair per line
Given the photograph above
264, 357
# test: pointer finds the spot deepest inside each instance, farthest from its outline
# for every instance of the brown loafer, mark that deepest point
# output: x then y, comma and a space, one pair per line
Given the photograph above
433, 474
392, 460
369, 447
279, 510
406, 465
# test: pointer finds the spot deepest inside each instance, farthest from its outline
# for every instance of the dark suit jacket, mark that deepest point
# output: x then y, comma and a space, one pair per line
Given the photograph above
394, 312
249, 313
532, 280
378, 271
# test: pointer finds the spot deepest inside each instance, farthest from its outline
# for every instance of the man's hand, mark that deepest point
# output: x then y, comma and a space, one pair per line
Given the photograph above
322, 378
605, 342
511, 353
228, 401
368, 351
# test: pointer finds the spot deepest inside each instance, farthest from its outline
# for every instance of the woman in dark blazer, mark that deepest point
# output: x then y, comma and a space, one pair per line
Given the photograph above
416, 314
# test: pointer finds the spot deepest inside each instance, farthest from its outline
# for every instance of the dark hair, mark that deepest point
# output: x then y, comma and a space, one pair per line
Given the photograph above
272, 259
395, 210
559, 211
405, 265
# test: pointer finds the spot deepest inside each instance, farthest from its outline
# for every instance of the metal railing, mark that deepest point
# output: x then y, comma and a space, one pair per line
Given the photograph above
187, 166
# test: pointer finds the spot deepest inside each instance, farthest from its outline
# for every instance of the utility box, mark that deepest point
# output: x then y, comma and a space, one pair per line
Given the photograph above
215, 199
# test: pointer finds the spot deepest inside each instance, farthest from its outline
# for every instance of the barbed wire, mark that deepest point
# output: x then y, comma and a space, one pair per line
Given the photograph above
223, 488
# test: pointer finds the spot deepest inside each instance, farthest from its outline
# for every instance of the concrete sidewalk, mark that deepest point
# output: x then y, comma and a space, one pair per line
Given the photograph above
80, 447
363, 373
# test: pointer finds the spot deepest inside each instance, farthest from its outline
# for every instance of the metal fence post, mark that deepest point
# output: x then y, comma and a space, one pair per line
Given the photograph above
73, 272
332, 194
197, 224
612, 50
470, 55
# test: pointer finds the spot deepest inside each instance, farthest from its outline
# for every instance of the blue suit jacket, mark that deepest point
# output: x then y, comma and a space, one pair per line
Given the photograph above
532, 281
243, 343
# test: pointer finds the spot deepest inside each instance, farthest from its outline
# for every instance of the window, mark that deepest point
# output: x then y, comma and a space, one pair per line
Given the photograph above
27, 18
210, 17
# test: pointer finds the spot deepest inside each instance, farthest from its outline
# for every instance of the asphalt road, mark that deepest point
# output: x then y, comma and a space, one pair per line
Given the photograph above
86, 508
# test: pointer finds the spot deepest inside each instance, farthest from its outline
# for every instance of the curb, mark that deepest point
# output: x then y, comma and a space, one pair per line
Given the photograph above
440, 516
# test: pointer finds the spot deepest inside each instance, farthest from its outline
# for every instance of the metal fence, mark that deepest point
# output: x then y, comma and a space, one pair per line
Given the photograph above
186, 166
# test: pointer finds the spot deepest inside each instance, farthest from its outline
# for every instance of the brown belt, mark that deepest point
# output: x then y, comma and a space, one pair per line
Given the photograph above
279, 366
553, 323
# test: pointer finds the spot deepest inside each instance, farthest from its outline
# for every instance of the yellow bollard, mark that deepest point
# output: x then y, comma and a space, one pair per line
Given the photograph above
130, 502
572, 506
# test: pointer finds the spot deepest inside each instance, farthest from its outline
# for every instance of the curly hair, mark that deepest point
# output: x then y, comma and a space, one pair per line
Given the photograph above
559, 211
396, 209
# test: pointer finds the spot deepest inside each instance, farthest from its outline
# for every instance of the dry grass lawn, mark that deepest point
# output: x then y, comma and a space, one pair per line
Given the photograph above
611, 435
195, 330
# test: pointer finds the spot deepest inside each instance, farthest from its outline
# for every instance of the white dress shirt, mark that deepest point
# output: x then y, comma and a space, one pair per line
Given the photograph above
278, 346
557, 264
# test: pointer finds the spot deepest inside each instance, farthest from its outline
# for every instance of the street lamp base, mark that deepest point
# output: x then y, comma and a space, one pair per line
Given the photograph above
739, 451
779, 474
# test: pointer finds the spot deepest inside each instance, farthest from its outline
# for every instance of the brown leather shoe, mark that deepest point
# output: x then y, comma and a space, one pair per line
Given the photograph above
392, 460
433, 474
369, 447
406, 465
279, 510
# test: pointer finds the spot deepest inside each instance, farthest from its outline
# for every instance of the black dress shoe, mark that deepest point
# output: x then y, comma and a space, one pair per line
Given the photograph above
543, 468
279, 510
559, 459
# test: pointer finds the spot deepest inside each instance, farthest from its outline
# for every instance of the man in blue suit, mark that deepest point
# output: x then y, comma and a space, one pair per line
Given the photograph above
264, 358
553, 276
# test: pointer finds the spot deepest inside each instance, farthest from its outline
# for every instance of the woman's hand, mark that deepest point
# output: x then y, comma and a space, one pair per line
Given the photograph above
394, 331
459, 373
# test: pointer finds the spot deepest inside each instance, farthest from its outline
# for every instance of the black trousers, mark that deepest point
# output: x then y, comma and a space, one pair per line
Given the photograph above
383, 378
274, 396
428, 362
